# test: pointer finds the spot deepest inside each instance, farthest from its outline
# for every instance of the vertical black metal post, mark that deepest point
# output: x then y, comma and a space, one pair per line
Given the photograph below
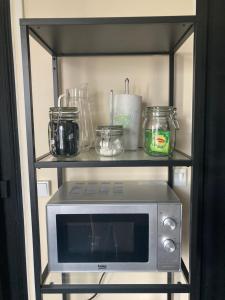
170, 168
55, 79
171, 100
59, 170
171, 78
31, 158
198, 141
56, 95
170, 279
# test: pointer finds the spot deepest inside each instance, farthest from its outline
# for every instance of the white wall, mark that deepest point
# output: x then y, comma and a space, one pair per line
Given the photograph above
150, 77
107, 8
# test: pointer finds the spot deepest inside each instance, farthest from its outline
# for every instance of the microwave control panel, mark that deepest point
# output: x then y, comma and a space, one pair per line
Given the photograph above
169, 236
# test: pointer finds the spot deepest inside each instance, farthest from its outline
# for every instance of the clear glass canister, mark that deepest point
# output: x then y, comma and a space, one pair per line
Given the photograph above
78, 97
63, 131
109, 140
160, 125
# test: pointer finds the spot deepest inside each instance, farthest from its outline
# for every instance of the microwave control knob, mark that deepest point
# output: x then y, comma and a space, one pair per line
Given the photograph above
169, 223
169, 246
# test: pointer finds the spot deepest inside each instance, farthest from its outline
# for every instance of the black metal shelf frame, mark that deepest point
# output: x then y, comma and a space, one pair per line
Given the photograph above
181, 27
168, 288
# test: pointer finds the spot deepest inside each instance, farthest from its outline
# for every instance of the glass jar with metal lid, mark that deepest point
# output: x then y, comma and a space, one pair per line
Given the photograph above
160, 125
63, 131
109, 140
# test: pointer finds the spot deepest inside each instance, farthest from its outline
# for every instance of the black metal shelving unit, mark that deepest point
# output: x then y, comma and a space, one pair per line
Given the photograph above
119, 36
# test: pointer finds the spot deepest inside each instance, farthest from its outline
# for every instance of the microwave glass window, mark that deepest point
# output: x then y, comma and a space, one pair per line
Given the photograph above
103, 238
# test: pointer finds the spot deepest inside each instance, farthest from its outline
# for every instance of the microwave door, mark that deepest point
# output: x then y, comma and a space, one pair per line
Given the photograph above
98, 238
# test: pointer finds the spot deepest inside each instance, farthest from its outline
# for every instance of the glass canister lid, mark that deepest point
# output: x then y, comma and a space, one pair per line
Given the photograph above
157, 111
112, 130
66, 113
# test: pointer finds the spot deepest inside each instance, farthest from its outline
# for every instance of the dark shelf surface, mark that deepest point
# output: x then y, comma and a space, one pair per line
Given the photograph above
123, 284
110, 36
127, 159
114, 288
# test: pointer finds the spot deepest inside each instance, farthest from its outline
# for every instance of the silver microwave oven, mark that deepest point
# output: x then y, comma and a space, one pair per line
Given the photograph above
114, 226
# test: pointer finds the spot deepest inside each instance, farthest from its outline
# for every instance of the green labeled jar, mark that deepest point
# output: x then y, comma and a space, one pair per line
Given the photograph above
160, 125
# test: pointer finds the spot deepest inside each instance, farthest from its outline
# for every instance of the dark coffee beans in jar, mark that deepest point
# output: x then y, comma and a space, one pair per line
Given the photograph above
64, 131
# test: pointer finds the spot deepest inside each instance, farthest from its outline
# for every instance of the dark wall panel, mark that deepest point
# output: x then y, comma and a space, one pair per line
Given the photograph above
13, 284
213, 259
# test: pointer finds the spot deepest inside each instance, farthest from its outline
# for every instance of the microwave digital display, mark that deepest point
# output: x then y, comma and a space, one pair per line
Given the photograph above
102, 238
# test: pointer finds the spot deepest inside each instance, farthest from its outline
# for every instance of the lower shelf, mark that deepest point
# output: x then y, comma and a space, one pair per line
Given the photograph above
114, 288
182, 285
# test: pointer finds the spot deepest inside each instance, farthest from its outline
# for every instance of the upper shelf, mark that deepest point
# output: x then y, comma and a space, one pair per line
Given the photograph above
110, 36
127, 159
